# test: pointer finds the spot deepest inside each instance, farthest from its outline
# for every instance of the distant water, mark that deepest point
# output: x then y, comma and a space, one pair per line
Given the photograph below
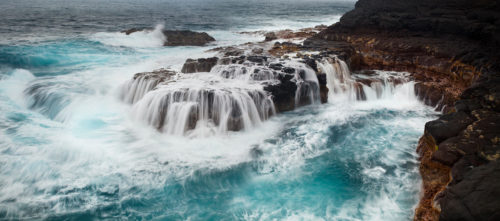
35, 20
69, 148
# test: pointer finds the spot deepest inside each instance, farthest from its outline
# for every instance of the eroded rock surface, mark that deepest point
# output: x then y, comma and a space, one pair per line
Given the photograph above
451, 47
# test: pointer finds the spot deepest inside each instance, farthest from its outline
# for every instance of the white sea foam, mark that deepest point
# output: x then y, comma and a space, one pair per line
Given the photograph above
139, 39
94, 143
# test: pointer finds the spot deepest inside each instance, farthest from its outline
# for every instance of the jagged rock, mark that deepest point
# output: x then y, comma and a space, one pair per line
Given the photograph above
199, 65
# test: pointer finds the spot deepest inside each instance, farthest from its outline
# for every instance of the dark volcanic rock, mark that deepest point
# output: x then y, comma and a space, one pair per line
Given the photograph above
199, 65
447, 126
475, 197
451, 47
187, 38
283, 93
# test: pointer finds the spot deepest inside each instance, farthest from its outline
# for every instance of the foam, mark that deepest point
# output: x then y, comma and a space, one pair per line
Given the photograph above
140, 39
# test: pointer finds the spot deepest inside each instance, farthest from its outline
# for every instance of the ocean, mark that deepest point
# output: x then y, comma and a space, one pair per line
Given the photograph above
71, 149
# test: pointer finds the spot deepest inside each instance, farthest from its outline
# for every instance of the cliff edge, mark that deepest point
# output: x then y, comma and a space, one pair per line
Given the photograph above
452, 49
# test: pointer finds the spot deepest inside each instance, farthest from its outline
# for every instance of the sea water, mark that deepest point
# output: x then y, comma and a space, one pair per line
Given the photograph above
70, 148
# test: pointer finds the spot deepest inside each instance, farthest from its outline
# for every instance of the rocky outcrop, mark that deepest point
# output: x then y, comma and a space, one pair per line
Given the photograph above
289, 34
199, 65
187, 38
180, 37
451, 49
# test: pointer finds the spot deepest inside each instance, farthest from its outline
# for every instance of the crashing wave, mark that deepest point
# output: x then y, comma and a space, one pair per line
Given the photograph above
140, 39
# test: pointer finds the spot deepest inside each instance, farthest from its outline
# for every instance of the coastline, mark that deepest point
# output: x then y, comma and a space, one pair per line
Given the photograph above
457, 72
141, 109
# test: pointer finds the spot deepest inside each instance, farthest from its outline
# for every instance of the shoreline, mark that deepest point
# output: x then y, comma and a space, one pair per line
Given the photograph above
459, 150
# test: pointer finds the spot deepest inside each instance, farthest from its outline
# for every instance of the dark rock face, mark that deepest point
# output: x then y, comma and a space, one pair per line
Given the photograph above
180, 37
283, 93
187, 38
474, 19
446, 44
199, 65
451, 49
447, 126
475, 197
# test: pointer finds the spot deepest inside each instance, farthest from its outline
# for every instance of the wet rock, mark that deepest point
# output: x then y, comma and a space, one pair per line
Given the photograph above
447, 126
257, 59
187, 38
228, 51
280, 49
257, 50
289, 70
311, 63
199, 65
283, 94
270, 36
276, 66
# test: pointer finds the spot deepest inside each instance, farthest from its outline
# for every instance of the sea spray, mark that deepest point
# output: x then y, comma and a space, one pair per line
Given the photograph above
139, 39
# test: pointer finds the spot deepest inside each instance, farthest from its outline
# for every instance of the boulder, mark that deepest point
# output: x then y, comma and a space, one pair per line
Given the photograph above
199, 65
187, 38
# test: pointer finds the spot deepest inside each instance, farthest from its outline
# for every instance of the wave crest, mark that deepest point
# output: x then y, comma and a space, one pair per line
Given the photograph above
140, 39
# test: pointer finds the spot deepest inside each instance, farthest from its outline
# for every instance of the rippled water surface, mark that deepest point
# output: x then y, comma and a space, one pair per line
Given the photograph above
70, 148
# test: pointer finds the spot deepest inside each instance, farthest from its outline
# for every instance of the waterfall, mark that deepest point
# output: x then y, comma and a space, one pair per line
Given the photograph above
133, 90
307, 84
204, 111
370, 85
228, 98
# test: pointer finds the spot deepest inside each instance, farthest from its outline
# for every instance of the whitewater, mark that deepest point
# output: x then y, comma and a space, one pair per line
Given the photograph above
80, 138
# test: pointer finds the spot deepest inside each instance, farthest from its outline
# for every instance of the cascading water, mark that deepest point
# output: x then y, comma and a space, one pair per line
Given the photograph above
79, 133
229, 98
373, 85
133, 90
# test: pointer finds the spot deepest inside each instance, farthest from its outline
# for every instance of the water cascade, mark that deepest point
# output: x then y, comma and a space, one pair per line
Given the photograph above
229, 98
369, 85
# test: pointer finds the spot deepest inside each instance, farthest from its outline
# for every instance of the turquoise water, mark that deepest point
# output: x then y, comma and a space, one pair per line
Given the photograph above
69, 148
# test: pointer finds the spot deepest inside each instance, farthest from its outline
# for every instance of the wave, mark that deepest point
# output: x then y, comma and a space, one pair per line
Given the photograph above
140, 39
